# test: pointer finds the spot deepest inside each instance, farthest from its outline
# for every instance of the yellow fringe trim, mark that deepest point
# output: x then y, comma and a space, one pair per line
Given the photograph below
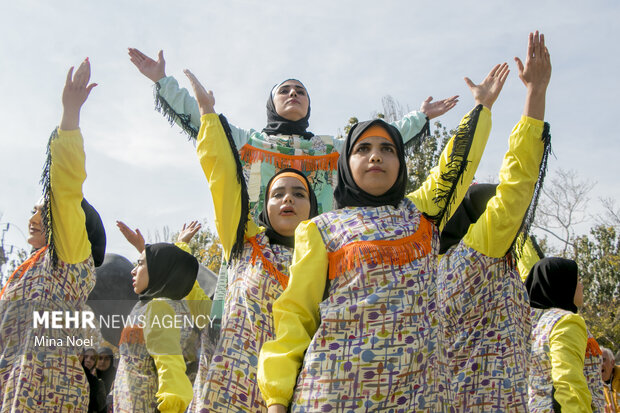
383, 252
267, 265
251, 154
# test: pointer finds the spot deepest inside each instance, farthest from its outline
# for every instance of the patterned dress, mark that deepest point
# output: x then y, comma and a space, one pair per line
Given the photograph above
228, 382
43, 376
484, 307
376, 348
592, 371
39, 366
136, 383
541, 385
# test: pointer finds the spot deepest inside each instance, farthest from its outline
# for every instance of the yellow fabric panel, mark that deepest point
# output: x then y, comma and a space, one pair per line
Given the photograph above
199, 303
296, 317
567, 342
496, 229
163, 344
184, 246
67, 174
423, 197
218, 164
529, 257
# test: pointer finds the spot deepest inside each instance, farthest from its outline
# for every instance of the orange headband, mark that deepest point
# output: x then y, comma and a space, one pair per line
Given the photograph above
288, 175
375, 130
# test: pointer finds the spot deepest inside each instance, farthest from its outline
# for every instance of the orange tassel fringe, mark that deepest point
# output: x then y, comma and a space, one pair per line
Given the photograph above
25, 266
592, 349
132, 335
384, 252
267, 265
251, 154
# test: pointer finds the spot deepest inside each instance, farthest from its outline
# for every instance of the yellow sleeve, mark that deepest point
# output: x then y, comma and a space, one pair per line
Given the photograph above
528, 257
184, 246
495, 231
67, 174
436, 195
163, 342
296, 317
199, 303
568, 341
218, 165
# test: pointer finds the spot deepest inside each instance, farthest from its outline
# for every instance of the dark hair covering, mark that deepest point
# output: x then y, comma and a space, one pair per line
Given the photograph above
107, 376
172, 272
471, 208
263, 218
96, 232
552, 283
276, 124
347, 192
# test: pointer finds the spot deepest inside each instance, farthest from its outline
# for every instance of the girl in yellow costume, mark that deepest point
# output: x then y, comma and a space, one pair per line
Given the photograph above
482, 303
48, 377
151, 370
565, 362
258, 258
367, 340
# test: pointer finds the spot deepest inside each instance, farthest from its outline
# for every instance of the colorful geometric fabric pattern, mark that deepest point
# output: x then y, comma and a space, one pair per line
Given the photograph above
227, 382
485, 310
376, 348
48, 377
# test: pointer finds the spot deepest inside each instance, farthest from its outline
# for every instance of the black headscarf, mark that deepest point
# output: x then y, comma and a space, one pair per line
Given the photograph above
276, 124
552, 283
347, 193
472, 207
107, 376
172, 272
96, 232
263, 218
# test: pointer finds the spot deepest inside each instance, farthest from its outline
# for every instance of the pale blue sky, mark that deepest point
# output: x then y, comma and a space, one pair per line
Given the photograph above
348, 53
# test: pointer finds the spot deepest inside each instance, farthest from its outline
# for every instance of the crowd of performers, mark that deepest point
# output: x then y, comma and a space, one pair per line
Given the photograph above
340, 291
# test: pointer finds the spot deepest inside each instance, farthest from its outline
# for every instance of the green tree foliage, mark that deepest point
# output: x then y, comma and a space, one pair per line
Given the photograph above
205, 246
563, 205
598, 258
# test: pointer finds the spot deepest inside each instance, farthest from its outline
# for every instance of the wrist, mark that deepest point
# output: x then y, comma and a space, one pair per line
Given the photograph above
70, 119
206, 109
158, 77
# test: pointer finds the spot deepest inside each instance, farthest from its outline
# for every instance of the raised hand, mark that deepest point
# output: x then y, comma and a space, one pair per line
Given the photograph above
74, 95
535, 75
189, 231
153, 69
135, 238
536, 72
488, 90
206, 100
435, 109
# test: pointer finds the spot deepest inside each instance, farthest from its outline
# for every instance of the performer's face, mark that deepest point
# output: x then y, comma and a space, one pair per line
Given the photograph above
36, 231
578, 299
104, 362
288, 205
608, 365
140, 275
89, 359
374, 164
291, 100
